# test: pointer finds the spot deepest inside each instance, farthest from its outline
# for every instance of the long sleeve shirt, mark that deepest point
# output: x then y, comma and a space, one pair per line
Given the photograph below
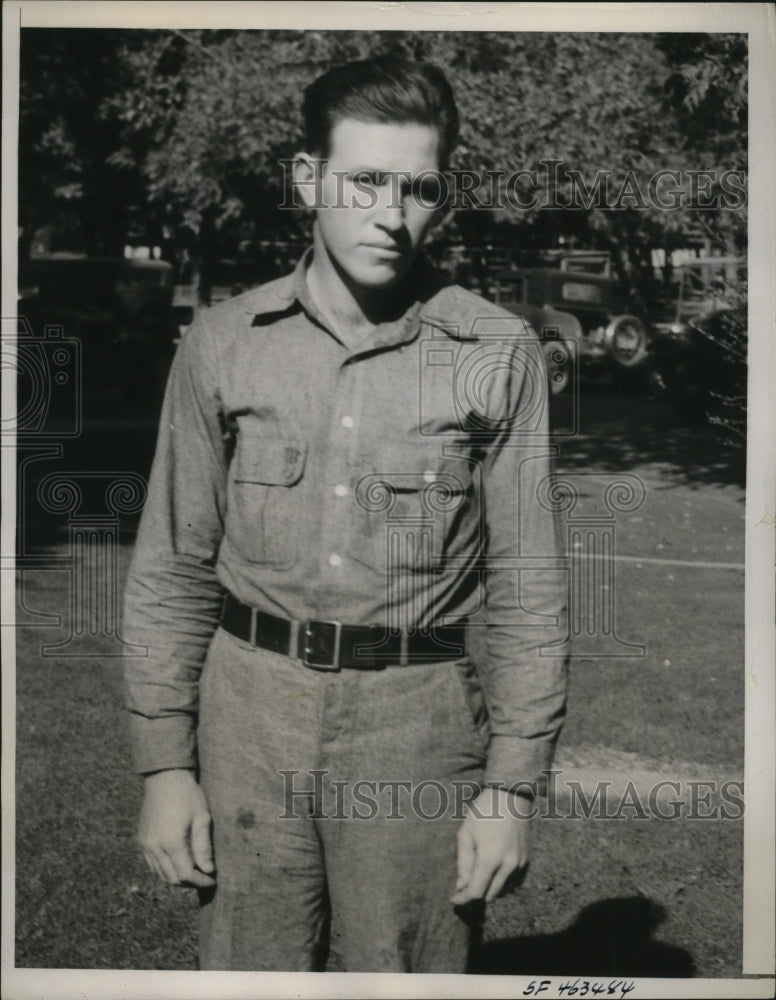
399, 482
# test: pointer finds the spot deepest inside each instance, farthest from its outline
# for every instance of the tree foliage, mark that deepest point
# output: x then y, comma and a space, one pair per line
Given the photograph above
174, 127
66, 138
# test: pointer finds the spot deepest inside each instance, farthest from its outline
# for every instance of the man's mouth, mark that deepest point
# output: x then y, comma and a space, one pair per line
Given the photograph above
388, 249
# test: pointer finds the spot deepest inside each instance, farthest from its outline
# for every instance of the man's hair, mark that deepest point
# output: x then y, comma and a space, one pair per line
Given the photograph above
387, 89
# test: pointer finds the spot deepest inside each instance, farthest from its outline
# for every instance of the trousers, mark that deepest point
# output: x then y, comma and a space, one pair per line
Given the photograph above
336, 798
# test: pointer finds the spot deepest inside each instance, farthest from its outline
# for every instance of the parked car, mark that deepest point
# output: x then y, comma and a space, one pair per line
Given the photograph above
695, 288
697, 357
585, 261
558, 331
119, 309
608, 339
701, 366
702, 286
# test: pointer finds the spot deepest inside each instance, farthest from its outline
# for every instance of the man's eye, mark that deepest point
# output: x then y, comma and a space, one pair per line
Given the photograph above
428, 192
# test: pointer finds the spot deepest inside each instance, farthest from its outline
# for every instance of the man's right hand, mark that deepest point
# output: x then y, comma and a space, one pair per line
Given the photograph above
174, 829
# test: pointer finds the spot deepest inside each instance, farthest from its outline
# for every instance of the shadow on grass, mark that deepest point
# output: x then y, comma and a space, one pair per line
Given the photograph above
619, 433
612, 937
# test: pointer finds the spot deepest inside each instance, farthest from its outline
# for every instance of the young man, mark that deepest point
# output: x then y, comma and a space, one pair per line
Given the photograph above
348, 458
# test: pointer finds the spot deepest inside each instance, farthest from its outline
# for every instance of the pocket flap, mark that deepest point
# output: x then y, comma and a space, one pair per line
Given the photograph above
271, 461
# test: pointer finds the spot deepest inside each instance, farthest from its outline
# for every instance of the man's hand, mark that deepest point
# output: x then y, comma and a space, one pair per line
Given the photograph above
174, 829
493, 844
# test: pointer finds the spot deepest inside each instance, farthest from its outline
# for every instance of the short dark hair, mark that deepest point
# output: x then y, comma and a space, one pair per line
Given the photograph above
388, 89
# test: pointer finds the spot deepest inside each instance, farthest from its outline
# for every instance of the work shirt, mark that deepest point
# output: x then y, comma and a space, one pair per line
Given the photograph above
402, 481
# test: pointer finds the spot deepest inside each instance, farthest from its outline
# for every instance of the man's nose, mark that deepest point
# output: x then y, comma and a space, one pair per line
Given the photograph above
391, 205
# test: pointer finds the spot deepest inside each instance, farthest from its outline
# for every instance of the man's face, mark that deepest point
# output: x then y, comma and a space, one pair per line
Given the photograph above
376, 214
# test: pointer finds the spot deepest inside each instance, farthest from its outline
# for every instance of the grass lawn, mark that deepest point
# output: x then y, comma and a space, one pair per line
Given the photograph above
603, 897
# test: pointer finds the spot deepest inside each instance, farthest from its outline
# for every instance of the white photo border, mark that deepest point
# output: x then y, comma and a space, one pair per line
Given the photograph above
759, 22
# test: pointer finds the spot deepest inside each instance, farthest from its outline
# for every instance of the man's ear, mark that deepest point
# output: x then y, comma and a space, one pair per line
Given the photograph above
307, 175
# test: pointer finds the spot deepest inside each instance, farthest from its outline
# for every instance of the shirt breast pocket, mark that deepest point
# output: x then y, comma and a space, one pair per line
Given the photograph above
418, 506
265, 508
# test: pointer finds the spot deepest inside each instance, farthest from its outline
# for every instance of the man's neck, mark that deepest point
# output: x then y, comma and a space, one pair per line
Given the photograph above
342, 311
354, 313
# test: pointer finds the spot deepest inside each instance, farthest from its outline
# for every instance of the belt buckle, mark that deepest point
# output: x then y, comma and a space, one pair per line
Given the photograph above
309, 651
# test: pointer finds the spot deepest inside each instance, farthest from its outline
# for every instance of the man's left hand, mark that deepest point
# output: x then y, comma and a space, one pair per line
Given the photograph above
493, 844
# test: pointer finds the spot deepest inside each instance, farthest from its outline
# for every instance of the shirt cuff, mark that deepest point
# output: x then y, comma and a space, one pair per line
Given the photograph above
163, 744
518, 764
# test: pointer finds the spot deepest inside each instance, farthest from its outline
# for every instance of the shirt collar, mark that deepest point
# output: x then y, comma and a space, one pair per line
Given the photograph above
292, 293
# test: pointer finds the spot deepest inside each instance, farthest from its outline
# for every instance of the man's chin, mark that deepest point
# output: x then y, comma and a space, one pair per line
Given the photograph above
380, 277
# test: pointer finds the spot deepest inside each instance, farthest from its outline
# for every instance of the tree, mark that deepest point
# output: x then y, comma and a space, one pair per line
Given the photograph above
65, 140
706, 89
195, 124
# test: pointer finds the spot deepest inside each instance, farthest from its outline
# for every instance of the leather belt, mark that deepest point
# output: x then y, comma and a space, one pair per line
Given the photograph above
329, 645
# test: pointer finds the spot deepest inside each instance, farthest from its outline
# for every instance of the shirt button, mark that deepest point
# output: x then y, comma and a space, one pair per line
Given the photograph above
347, 421
340, 490
335, 560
